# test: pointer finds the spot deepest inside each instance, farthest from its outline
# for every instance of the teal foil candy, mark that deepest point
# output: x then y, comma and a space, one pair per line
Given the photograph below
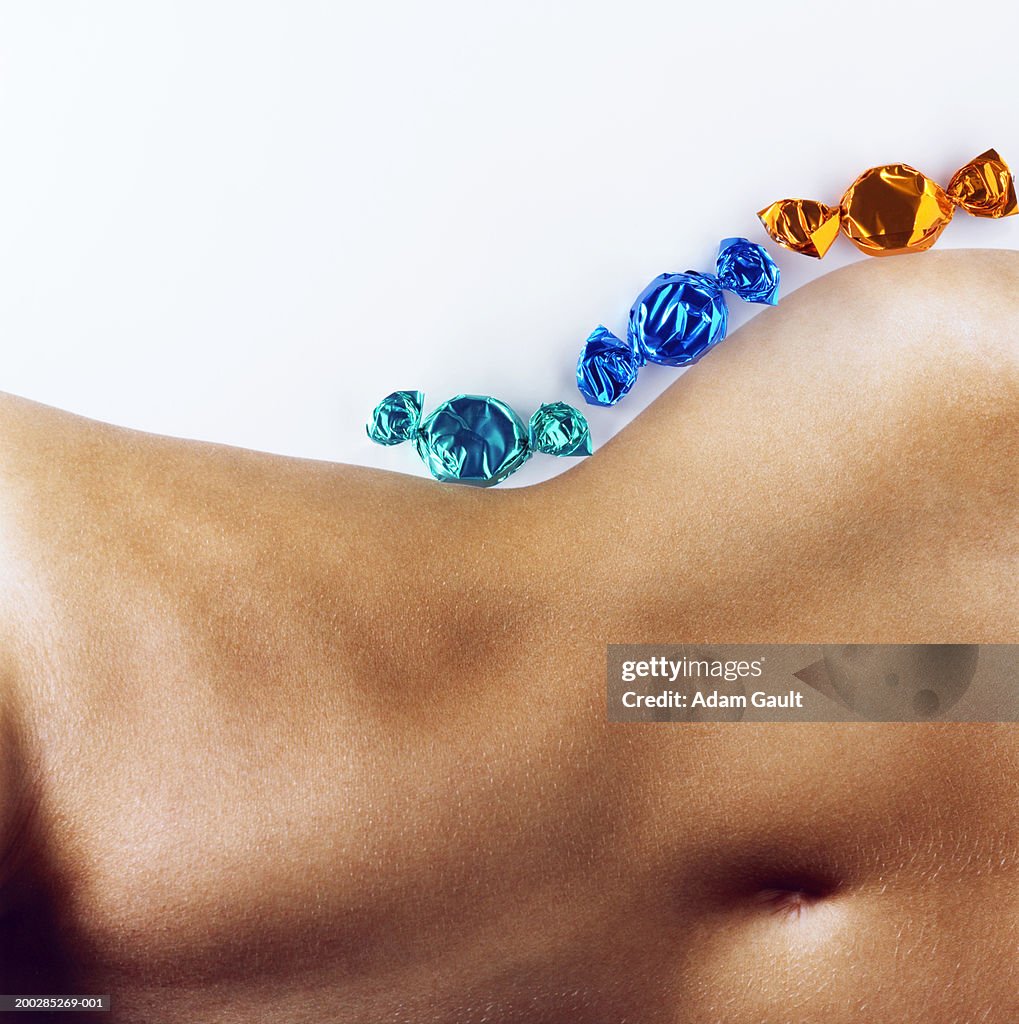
475, 439
396, 417
472, 440
559, 429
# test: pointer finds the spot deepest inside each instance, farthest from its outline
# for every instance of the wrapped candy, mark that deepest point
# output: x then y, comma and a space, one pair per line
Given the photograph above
473, 439
675, 320
893, 209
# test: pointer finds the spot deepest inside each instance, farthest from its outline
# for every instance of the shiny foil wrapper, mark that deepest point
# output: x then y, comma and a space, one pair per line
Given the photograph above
893, 209
745, 269
802, 225
396, 417
556, 428
984, 187
675, 320
476, 439
607, 368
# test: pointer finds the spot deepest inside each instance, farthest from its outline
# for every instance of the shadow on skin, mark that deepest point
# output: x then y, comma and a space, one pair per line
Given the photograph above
37, 956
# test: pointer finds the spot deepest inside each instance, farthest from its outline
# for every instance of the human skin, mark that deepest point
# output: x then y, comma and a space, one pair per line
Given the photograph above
294, 741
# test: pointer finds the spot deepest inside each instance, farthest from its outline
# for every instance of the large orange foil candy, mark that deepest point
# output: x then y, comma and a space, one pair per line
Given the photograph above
893, 209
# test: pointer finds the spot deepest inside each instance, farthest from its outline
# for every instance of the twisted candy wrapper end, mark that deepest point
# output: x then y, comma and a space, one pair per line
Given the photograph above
803, 225
984, 187
396, 418
746, 269
557, 428
607, 368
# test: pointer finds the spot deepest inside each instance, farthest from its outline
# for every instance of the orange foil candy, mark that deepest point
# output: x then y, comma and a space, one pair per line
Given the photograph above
802, 225
893, 209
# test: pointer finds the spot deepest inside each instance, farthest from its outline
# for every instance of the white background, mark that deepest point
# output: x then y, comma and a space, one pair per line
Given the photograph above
249, 221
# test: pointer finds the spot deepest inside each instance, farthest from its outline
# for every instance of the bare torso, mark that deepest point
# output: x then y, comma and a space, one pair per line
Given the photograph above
295, 741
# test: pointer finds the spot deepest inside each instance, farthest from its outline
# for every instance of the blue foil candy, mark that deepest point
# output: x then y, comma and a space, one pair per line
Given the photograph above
607, 368
396, 417
675, 320
474, 439
747, 270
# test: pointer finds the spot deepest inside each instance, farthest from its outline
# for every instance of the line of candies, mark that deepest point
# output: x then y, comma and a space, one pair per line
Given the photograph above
678, 318
475, 439
893, 209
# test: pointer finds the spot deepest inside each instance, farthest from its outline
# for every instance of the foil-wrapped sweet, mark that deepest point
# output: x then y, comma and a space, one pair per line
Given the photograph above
475, 439
893, 208
675, 320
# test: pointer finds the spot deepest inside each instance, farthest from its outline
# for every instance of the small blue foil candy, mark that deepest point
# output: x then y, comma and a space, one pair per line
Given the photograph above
675, 320
746, 269
474, 439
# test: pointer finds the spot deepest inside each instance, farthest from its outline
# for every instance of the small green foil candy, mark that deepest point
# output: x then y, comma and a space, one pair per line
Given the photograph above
475, 439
